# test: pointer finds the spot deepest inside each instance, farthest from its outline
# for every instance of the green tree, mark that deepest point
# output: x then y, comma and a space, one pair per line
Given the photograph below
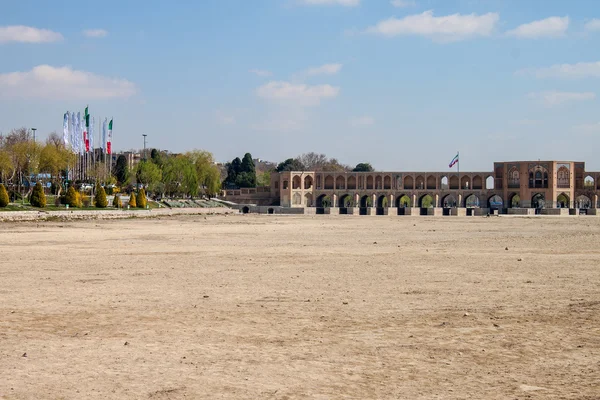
291, 164
71, 197
156, 157
7, 168
148, 174
121, 170
180, 176
208, 174
132, 200
38, 197
264, 179
117, 203
249, 169
234, 168
212, 182
140, 200
3, 196
363, 167
100, 197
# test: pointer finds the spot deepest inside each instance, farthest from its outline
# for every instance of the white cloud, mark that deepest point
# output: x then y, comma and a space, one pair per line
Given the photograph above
27, 34
300, 94
95, 33
403, 3
578, 70
593, 25
364, 120
345, 3
555, 98
549, 27
54, 83
327, 69
261, 72
446, 28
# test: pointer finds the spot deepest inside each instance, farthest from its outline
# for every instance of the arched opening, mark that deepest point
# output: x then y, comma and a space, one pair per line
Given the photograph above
514, 181
285, 185
340, 183
308, 200
403, 201
589, 183
563, 177
444, 183
387, 182
319, 183
583, 202
382, 202
477, 182
454, 183
378, 183
308, 182
426, 201
514, 201
369, 182
365, 202
489, 183
296, 182
328, 182
538, 201
409, 183
472, 201
495, 202
562, 201
431, 182
449, 201
323, 201
465, 182
420, 182
345, 201
297, 199
245, 210
351, 183
270, 211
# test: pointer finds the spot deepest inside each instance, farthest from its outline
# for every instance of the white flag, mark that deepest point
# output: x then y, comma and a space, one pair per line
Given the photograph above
91, 134
66, 129
104, 125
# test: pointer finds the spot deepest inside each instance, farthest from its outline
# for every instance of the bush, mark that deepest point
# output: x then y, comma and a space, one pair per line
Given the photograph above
117, 202
38, 197
72, 197
132, 202
141, 199
3, 196
100, 198
84, 200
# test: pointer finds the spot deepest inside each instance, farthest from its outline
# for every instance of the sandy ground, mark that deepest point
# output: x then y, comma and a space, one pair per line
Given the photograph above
282, 307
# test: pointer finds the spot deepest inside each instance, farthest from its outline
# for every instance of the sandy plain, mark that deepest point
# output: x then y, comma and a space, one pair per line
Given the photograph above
322, 307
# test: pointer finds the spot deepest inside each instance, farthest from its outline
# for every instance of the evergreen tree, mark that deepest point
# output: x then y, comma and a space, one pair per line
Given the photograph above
71, 197
117, 201
38, 197
3, 196
132, 202
121, 170
141, 199
100, 198
248, 172
234, 168
363, 167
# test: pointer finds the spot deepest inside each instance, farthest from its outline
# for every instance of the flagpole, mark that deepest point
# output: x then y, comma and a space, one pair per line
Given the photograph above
458, 168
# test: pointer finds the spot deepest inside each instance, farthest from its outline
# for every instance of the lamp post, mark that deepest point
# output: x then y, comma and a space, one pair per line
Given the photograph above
34, 129
144, 135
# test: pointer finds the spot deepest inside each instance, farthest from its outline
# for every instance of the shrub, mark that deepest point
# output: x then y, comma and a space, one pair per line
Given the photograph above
71, 198
100, 198
132, 202
85, 200
38, 197
141, 199
117, 202
3, 196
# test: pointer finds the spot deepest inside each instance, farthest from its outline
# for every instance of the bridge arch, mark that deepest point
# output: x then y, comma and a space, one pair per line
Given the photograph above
449, 201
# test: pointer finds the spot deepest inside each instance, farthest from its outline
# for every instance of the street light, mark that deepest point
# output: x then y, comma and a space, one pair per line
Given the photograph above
144, 135
34, 129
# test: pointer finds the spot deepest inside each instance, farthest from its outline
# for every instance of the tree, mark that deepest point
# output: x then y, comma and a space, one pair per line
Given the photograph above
212, 182
71, 197
121, 170
117, 203
249, 171
3, 196
363, 167
132, 202
148, 174
312, 161
233, 170
100, 197
38, 198
291, 164
156, 157
7, 168
208, 174
55, 159
141, 201
264, 179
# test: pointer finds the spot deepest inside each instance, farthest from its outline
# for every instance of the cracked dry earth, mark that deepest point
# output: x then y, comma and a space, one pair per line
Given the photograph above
285, 307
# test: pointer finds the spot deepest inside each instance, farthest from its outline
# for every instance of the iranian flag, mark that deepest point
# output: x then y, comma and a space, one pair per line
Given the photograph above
86, 140
109, 141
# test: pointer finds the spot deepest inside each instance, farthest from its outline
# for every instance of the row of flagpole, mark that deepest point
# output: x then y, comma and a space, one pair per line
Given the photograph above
78, 136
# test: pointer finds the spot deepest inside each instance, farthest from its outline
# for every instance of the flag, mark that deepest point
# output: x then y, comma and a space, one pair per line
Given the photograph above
78, 133
91, 134
104, 127
109, 141
66, 129
454, 161
72, 133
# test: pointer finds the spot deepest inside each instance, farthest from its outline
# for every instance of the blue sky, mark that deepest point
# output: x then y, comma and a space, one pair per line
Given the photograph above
400, 84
